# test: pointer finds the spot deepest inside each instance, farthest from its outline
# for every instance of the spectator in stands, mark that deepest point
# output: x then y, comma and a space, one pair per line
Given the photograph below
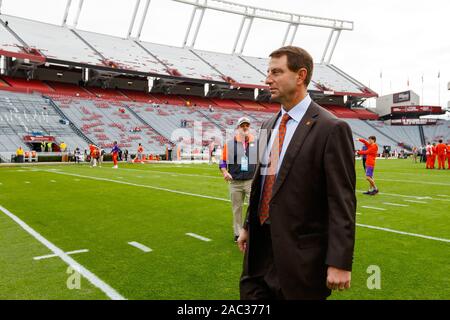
238, 164
19, 155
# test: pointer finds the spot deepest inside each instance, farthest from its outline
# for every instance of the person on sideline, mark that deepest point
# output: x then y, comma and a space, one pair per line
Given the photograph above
238, 163
371, 152
115, 155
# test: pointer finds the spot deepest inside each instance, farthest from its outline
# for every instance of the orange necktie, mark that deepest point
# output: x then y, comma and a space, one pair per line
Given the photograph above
269, 181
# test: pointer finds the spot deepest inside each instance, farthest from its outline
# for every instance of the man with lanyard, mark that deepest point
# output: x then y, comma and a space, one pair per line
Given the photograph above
115, 154
238, 164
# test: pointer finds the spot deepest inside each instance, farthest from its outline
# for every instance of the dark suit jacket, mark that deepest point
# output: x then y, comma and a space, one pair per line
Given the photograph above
313, 206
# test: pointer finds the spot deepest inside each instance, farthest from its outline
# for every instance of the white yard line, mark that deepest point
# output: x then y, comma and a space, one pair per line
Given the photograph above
402, 232
359, 213
395, 204
374, 208
54, 255
443, 195
198, 237
141, 185
415, 201
140, 246
92, 278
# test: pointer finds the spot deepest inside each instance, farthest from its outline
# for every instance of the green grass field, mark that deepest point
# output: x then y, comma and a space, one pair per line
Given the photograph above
100, 209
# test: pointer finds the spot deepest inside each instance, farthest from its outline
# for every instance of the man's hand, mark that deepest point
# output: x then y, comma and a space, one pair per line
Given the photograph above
242, 240
227, 176
338, 279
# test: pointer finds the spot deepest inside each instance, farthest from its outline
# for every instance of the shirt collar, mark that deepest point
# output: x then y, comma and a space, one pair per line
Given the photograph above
299, 110
251, 138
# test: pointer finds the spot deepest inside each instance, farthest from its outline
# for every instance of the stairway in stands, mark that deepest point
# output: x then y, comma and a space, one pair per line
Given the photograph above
422, 135
71, 124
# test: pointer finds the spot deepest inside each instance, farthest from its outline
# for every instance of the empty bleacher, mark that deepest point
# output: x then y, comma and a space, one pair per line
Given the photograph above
233, 67
440, 131
105, 121
26, 114
124, 53
182, 62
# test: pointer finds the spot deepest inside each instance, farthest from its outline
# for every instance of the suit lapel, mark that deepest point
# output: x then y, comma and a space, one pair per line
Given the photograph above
295, 144
263, 143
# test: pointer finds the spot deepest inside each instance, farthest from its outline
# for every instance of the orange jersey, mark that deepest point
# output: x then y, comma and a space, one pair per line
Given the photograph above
440, 149
92, 149
140, 149
448, 151
371, 152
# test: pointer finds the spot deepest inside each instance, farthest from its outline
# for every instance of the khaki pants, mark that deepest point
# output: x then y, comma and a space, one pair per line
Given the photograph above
238, 190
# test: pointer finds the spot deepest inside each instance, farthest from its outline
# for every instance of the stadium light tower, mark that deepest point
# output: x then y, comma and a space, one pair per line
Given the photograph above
77, 17
133, 19
250, 13
66, 12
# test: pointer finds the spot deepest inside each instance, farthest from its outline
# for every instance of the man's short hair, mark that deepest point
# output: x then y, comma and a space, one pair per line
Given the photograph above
297, 58
440, 140
373, 138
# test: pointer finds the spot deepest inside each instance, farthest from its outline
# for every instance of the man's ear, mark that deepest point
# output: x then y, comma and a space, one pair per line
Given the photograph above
302, 73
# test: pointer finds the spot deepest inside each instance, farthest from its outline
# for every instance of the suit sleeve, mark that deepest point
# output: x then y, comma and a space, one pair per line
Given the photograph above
341, 183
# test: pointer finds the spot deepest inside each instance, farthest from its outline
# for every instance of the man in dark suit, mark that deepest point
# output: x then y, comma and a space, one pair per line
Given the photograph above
299, 234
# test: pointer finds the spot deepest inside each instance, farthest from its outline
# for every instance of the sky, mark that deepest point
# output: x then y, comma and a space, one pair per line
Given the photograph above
393, 42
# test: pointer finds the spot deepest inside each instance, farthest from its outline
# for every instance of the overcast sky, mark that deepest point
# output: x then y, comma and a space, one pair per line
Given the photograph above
399, 39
